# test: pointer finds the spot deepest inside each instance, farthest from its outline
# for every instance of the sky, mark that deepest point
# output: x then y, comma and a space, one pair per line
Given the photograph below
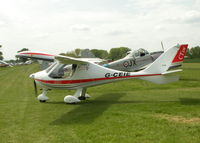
57, 26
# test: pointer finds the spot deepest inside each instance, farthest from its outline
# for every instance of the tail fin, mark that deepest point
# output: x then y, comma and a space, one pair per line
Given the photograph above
180, 54
178, 59
162, 63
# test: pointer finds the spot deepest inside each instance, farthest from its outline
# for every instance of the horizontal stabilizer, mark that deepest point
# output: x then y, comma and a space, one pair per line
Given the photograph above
168, 72
162, 79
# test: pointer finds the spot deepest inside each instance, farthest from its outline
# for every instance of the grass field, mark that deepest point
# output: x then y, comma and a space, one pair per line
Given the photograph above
131, 111
196, 60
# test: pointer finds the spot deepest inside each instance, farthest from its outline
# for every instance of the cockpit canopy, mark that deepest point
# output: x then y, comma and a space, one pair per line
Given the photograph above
138, 53
61, 70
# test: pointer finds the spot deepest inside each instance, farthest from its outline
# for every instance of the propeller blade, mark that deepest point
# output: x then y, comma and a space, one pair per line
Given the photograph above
162, 46
35, 88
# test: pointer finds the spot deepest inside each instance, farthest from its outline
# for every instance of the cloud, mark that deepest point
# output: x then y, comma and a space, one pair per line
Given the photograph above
118, 32
80, 27
41, 35
2, 24
192, 16
160, 27
4, 21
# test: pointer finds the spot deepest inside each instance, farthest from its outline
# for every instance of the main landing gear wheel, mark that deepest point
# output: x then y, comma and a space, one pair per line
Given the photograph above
71, 99
82, 98
79, 95
42, 101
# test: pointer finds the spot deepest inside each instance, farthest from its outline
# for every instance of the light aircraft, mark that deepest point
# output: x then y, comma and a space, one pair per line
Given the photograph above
4, 64
85, 73
134, 60
138, 60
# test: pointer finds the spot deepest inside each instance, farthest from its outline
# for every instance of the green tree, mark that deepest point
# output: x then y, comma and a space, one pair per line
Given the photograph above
70, 54
103, 54
73, 53
118, 53
24, 49
1, 54
194, 52
77, 51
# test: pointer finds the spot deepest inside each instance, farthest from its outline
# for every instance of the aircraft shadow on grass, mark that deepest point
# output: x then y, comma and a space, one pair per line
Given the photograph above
87, 112
190, 101
189, 79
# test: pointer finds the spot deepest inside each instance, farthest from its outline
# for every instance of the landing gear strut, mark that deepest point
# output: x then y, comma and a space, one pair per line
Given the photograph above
42, 97
79, 95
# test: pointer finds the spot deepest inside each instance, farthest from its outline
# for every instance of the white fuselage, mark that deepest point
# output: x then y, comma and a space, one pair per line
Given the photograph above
85, 75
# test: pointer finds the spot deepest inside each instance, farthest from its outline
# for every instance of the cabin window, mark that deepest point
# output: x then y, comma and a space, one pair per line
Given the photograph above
63, 71
146, 52
142, 54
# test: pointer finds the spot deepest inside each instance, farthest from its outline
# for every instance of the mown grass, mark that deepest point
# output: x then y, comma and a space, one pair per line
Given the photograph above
131, 111
194, 60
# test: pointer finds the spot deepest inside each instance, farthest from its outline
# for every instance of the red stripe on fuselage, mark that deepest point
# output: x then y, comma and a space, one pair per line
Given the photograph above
37, 54
88, 80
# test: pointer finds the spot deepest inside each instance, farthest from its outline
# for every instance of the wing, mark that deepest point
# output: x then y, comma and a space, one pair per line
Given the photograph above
49, 57
93, 60
36, 55
70, 60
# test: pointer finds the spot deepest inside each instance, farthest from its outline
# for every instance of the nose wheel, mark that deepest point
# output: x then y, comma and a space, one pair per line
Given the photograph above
42, 101
42, 97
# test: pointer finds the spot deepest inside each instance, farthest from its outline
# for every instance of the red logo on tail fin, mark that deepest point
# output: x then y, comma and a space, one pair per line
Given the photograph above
180, 54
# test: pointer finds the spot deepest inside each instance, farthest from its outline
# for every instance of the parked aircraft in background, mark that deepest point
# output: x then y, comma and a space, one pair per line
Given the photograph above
134, 61
4, 64
80, 73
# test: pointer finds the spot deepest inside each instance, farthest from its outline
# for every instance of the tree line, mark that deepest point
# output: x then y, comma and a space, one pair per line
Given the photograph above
1, 54
113, 54
193, 53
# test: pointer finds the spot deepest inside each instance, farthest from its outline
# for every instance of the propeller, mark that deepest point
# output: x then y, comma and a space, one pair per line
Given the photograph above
162, 46
35, 88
